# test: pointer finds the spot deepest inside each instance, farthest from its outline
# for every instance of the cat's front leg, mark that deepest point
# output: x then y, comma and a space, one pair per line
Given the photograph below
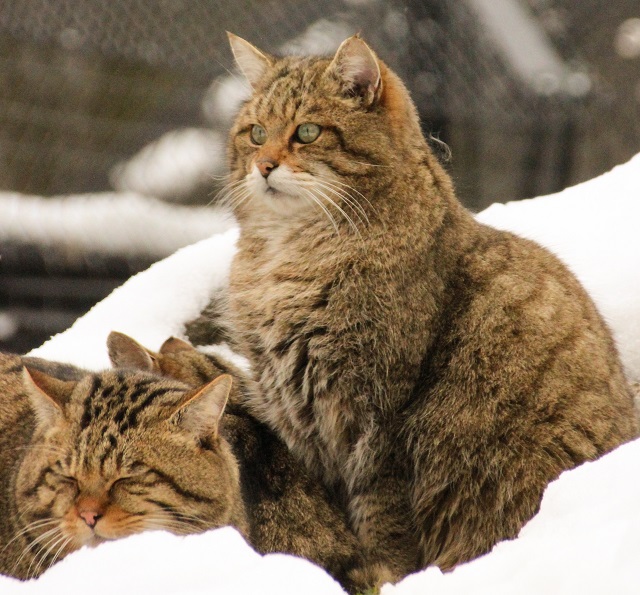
380, 511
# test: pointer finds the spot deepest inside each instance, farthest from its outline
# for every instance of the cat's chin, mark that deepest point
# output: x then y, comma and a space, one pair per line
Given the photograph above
95, 541
281, 194
282, 203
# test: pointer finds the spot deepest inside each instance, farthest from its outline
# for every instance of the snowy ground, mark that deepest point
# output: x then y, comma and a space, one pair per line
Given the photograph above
586, 538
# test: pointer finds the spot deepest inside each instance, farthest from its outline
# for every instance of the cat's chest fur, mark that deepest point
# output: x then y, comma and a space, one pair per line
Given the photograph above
279, 300
312, 311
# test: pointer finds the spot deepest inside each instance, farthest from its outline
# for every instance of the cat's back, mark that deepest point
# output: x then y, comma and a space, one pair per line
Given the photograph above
16, 426
517, 324
522, 382
13, 403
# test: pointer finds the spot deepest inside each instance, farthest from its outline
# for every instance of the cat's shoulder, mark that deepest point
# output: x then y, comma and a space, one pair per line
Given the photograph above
13, 400
10, 363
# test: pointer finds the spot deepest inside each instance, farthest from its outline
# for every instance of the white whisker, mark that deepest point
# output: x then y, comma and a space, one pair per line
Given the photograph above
219, 178
309, 195
36, 544
45, 552
40, 524
61, 549
367, 164
351, 202
348, 188
338, 208
222, 195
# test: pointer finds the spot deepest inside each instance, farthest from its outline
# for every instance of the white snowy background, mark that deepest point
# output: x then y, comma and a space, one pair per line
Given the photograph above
586, 537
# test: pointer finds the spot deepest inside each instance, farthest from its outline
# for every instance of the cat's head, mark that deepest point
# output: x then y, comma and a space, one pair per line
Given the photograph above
317, 132
121, 452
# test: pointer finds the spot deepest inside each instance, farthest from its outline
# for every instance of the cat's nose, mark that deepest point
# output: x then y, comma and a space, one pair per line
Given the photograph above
90, 510
266, 166
90, 517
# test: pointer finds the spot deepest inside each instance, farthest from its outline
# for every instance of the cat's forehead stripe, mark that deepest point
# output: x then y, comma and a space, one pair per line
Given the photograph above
285, 92
132, 419
120, 401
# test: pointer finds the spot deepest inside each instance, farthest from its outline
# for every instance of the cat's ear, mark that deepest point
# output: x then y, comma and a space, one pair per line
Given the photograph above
357, 68
125, 352
201, 412
250, 60
47, 394
175, 345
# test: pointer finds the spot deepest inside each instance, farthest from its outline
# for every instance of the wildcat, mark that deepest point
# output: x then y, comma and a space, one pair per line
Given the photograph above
286, 510
435, 372
86, 458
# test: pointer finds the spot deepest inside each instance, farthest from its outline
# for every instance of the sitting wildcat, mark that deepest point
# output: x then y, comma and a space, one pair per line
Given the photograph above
86, 458
436, 373
287, 511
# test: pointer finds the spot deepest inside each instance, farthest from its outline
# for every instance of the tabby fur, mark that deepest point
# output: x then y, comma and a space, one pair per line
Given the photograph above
435, 372
86, 458
287, 510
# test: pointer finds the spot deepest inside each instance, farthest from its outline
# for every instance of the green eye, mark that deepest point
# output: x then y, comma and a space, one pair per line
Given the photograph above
307, 133
258, 134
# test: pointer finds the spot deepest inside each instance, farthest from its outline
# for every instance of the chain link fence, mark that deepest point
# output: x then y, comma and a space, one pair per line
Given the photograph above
137, 95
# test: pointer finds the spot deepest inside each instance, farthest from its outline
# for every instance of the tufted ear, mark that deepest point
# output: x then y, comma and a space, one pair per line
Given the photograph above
250, 60
125, 352
201, 412
357, 68
47, 394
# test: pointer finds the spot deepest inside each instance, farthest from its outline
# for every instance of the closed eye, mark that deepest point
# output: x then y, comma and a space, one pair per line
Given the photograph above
138, 473
60, 474
67, 479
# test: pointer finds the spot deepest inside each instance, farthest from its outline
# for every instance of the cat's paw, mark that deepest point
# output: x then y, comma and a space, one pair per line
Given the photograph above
369, 578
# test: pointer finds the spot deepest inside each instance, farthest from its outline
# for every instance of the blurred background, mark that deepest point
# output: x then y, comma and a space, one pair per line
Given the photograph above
113, 117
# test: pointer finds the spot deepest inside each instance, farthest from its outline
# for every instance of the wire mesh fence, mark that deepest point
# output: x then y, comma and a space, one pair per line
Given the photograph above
137, 95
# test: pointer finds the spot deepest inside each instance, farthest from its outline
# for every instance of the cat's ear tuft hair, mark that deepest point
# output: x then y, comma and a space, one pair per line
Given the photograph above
357, 68
250, 60
125, 352
47, 394
175, 345
201, 413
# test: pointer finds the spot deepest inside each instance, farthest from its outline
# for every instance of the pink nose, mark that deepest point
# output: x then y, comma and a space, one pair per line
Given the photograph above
266, 166
90, 517
90, 509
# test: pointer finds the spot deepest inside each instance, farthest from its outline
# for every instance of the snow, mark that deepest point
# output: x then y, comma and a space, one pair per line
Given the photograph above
135, 224
173, 166
586, 537
151, 306
159, 562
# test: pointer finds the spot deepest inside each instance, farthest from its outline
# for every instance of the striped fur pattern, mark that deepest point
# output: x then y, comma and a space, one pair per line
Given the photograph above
287, 509
435, 372
86, 458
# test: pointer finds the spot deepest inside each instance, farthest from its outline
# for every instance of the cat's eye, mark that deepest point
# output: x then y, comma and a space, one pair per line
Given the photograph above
59, 472
67, 480
307, 133
258, 134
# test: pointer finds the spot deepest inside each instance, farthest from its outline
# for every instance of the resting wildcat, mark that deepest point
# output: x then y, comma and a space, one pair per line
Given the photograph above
286, 510
436, 372
86, 458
